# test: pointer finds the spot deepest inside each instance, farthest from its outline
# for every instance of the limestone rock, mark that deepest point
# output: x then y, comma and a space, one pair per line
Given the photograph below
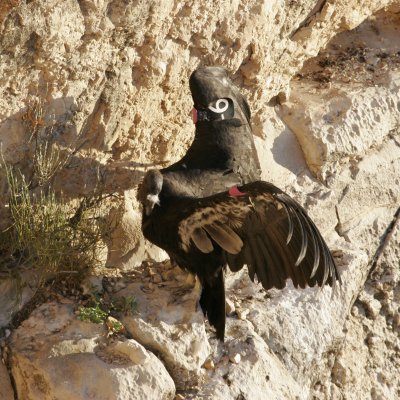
235, 358
14, 293
312, 318
209, 364
169, 322
9, 298
6, 390
229, 306
55, 355
340, 105
258, 375
366, 364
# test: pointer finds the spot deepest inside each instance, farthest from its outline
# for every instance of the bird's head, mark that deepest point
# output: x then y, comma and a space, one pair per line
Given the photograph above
149, 190
216, 97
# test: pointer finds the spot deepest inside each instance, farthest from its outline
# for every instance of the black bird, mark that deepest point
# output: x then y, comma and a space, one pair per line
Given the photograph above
223, 153
210, 209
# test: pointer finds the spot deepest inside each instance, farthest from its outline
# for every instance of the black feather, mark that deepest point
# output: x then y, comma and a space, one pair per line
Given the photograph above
189, 212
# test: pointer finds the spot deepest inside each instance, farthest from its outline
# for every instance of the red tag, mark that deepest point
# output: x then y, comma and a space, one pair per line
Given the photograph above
194, 115
235, 192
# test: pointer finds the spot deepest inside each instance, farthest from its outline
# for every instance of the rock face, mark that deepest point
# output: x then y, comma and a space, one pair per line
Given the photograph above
323, 80
169, 320
366, 362
6, 390
54, 355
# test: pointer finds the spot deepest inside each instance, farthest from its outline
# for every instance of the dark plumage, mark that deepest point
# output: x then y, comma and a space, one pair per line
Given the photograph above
198, 214
223, 152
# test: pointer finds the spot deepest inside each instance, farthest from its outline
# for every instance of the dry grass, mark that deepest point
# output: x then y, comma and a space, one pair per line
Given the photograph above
45, 232
42, 234
48, 157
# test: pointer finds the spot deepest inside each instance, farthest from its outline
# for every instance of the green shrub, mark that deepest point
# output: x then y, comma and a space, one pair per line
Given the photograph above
43, 235
102, 309
93, 314
39, 228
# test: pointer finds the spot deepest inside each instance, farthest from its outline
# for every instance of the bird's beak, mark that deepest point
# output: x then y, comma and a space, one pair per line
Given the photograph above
151, 201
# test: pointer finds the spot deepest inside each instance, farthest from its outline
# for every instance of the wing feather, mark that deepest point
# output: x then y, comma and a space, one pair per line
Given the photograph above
201, 240
258, 263
225, 237
275, 224
235, 262
265, 230
247, 255
277, 280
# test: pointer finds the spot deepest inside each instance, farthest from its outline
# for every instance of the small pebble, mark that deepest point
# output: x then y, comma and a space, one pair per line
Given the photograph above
157, 279
372, 340
119, 285
180, 277
354, 311
165, 276
235, 359
242, 313
229, 306
209, 364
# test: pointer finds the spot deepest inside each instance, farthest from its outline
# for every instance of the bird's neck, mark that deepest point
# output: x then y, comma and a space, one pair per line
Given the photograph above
213, 146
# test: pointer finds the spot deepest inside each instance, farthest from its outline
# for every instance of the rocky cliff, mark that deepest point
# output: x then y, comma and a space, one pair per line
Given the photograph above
323, 81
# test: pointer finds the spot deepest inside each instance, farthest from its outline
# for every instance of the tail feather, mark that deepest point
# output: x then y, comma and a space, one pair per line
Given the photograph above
212, 302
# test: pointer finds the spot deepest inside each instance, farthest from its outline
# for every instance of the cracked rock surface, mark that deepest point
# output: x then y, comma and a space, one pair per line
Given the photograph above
54, 355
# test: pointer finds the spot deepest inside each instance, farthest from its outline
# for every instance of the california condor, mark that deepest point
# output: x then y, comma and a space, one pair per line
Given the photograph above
210, 209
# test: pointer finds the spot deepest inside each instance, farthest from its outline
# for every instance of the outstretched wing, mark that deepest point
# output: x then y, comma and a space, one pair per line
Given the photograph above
262, 227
